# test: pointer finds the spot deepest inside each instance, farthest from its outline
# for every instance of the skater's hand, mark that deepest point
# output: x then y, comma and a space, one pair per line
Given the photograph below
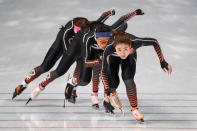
166, 67
112, 12
169, 69
139, 12
108, 107
107, 99
101, 57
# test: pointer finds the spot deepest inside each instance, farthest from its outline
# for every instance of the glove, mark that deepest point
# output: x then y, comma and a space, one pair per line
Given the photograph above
112, 12
100, 61
108, 107
164, 64
139, 12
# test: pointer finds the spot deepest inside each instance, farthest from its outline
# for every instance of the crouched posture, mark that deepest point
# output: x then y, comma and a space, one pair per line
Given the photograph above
59, 48
121, 51
94, 44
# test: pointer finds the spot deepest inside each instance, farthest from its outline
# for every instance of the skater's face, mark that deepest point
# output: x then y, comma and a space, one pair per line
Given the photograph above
102, 42
123, 50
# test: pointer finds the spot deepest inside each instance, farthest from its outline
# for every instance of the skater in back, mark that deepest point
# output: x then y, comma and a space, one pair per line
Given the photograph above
78, 49
58, 48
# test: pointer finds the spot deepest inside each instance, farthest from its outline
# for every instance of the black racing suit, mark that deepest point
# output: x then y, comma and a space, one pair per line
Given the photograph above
94, 60
82, 40
59, 48
112, 62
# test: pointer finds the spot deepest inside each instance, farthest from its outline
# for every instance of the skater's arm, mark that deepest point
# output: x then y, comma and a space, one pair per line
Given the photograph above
122, 27
106, 15
90, 60
105, 64
92, 63
139, 42
67, 29
125, 18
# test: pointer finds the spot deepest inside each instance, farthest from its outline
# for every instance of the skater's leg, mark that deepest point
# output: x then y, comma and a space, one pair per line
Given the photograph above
50, 59
95, 78
109, 74
76, 74
85, 74
110, 80
62, 68
95, 84
84, 79
128, 72
72, 83
53, 54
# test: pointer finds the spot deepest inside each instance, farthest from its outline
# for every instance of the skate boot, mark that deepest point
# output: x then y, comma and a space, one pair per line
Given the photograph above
138, 116
18, 90
35, 93
108, 107
95, 101
73, 97
68, 93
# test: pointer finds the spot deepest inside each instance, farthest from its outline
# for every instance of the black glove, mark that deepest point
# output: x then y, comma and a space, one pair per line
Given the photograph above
112, 12
110, 90
164, 65
139, 12
100, 61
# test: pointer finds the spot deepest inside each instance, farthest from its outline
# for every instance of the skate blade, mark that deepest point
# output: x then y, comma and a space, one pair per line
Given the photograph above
109, 112
29, 101
123, 114
140, 121
71, 100
64, 103
14, 95
112, 112
95, 106
67, 103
